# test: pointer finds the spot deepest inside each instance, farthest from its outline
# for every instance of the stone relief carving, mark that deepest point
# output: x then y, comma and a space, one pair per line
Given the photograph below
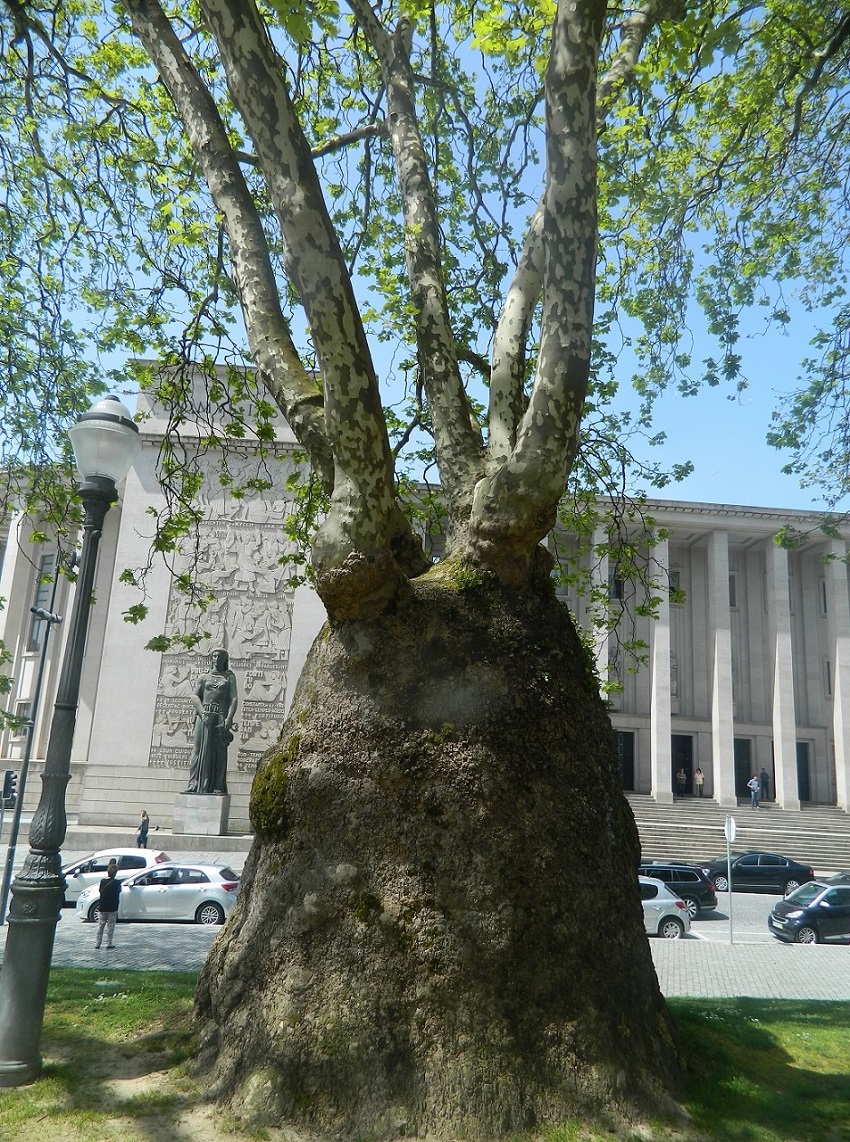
240, 544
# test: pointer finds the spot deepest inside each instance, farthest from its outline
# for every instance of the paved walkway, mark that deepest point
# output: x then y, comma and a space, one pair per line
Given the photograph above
141, 947
763, 971
684, 967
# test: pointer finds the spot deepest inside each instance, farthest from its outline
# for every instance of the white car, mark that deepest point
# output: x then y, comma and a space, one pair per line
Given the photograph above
664, 913
181, 890
92, 869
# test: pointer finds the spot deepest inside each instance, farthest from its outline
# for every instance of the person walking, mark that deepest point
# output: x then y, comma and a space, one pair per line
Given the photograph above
110, 891
699, 781
754, 785
142, 831
681, 781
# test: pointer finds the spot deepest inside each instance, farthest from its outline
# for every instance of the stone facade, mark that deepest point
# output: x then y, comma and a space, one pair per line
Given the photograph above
134, 728
749, 671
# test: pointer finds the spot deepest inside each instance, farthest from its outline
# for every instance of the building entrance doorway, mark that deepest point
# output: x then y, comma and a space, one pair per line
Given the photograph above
803, 790
682, 757
626, 756
743, 766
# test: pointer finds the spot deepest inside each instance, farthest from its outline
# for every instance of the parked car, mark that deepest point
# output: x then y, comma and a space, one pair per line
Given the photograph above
754, 870
664, 914
836, 878
688, 882
92, 869
814, 912
204, 893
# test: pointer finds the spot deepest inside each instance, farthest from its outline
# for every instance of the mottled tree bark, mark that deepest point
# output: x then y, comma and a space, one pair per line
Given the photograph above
439, 931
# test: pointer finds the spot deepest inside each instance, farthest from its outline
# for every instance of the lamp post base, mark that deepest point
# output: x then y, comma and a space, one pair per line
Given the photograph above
26, 969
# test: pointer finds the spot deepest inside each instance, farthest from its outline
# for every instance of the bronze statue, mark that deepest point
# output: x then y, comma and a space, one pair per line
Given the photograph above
215, 702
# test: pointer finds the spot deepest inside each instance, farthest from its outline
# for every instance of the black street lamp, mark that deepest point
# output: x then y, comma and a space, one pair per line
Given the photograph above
106, 443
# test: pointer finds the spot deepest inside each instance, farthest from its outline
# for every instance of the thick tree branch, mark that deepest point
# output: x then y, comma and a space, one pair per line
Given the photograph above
292, 388
360, 520
457, 439
514, 508
821, 59
507, 400
634, 32
507, 372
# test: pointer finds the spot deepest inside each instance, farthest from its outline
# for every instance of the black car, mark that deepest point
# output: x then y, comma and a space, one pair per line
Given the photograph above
814, 912
753, 871
688, 881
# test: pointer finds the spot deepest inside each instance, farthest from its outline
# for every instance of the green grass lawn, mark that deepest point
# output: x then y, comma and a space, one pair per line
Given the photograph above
118, 1046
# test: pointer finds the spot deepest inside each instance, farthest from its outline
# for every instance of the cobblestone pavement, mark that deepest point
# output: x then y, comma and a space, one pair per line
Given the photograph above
762, 971
141, 947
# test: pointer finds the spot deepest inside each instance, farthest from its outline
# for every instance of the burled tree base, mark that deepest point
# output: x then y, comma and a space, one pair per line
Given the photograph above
439, 932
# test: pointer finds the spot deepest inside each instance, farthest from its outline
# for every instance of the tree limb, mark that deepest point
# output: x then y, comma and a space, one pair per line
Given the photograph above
293, 389
362, 508
507, 370
457, 439
514, 508
507, 400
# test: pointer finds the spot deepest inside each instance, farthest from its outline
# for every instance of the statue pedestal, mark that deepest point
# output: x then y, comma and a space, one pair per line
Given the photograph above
205, 814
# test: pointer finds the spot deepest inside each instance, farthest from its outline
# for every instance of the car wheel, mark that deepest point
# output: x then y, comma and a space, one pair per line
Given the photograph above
721, 883
790, 885
94, 913
671, 928
692, 906
210, 913
807, 935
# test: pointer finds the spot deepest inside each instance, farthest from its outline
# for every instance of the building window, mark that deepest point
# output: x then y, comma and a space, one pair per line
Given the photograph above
22, 711
616, 588
41, 598
733, 592
822, 596
674, 579
827, 678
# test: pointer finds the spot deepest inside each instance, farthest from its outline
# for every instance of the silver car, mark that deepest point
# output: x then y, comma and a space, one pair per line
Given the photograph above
91, 870
664, 913
204, 893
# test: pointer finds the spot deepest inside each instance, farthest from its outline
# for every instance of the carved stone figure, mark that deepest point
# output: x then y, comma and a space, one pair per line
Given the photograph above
215, 701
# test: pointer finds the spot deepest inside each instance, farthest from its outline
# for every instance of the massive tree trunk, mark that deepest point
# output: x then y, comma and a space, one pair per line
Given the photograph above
439, 929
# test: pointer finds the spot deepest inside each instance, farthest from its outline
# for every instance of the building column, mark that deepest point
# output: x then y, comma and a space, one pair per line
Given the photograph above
720, 646
660, 724
599, 571
838, 613
784, 716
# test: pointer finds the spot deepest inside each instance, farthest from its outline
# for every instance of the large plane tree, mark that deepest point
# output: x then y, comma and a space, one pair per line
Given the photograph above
439, 931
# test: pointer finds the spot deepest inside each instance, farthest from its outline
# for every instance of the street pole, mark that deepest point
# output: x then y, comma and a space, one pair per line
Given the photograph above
106, 444
50, 619
729, 831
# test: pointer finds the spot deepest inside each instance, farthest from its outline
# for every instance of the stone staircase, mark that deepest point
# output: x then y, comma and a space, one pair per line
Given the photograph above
691, 829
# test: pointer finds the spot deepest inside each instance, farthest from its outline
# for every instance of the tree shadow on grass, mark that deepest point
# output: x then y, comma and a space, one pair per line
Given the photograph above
767, 1069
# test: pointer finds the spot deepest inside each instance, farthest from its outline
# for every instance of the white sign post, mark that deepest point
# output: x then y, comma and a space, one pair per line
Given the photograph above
729, 834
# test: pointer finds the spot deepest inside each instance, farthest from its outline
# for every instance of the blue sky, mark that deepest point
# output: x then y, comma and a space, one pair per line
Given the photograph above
725, 438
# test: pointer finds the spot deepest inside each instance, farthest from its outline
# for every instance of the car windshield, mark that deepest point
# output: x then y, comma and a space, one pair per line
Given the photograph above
227, 873
805, 894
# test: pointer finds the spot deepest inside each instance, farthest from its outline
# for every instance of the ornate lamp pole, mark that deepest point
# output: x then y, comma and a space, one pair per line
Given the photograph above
106, 443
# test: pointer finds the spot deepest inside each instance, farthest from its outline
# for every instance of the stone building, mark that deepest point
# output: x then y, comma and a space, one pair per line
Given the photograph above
751, 670
133, 738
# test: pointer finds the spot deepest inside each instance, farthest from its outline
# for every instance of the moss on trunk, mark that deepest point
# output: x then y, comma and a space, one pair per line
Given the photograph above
439, 931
